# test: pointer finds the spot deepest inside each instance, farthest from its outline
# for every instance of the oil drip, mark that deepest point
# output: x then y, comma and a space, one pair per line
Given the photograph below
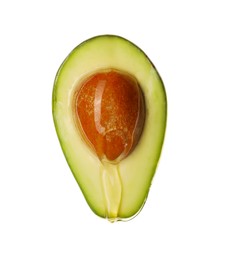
112, 189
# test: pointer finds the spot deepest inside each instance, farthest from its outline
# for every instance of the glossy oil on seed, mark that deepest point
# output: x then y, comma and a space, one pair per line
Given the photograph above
110, 112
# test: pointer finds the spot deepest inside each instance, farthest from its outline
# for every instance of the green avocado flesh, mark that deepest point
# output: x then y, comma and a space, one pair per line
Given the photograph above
113, 190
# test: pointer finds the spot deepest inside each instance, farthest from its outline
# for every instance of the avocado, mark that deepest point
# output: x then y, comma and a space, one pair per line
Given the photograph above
109, 108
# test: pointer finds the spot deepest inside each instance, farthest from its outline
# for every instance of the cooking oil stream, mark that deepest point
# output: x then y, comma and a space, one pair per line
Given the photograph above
112, 189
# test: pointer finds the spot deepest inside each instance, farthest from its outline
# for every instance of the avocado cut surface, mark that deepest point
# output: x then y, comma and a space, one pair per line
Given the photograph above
116, 190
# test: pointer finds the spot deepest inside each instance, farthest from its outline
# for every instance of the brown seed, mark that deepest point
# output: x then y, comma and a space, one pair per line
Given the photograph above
110, 112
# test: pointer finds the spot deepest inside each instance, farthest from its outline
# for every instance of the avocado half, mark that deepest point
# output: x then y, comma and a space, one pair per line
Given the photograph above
116, 191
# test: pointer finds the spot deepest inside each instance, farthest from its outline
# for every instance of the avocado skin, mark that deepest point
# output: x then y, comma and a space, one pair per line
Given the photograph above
137, 170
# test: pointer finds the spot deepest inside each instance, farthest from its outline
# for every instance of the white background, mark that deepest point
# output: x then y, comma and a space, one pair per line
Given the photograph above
43, 214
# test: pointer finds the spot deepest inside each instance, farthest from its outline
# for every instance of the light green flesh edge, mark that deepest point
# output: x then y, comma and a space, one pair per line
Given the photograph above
133, 175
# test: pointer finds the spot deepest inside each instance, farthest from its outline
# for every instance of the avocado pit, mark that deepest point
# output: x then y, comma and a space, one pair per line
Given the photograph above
110, 112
